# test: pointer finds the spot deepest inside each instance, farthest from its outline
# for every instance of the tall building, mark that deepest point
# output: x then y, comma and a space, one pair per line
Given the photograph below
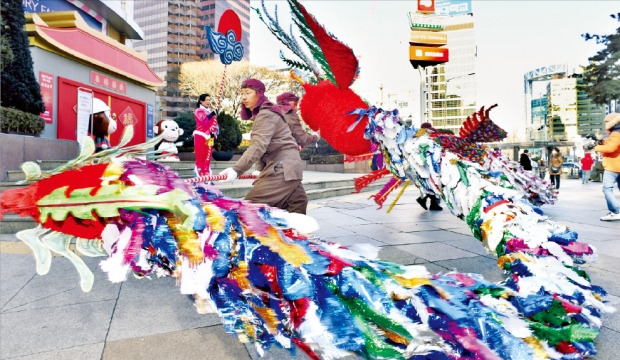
174, 33
562, 111
538, 127
451, 86
590, 116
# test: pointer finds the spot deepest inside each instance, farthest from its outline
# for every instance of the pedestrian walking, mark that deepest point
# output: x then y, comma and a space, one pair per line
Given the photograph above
542, 168
555, 168
610, 148
525, 161
586, 168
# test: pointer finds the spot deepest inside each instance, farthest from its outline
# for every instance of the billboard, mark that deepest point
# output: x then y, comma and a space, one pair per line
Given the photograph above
427, 56
426, 6
425, 22
430, 38
453, 7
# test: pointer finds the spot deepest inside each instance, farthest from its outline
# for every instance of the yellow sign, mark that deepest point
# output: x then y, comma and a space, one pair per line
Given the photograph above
431, 38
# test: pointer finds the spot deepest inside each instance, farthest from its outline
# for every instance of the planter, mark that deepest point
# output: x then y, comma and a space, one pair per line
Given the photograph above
222, 155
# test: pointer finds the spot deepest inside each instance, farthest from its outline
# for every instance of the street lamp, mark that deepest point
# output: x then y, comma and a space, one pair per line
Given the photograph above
445, 96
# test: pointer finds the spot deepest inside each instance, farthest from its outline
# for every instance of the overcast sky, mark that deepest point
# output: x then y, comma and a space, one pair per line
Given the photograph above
512, 37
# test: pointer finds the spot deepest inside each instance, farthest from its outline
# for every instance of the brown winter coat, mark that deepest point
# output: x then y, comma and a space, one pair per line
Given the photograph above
557, 161
274, 150
301, 136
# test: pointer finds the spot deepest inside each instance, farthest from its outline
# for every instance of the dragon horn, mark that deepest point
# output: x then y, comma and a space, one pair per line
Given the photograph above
296, 77
486, 114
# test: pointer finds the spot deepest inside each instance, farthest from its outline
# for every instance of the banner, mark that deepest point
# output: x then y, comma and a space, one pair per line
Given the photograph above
149, 121
46, 83
84, 109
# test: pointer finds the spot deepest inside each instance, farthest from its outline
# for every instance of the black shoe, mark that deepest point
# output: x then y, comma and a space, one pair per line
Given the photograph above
422, 202
435, 204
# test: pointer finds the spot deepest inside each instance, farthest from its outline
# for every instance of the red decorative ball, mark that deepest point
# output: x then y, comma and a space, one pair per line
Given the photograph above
324, 108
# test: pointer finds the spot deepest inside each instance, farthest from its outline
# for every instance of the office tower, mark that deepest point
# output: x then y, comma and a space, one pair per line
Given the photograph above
451, 87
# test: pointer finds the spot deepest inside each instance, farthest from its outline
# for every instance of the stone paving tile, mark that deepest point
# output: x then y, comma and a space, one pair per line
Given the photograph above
612, 320
329, 232
322, 212
376, 231
47, 329
15, 271
410, 226
396, 255
350, 240
60, 287
87, 351
605, 278
605, 262
139, 310
442, 236
420, 237
201, 343
606, 247
436, 251
607, 344
478, 265
344, 220
471, 244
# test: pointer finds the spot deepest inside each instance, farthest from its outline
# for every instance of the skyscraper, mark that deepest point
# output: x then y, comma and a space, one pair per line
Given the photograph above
174, 33
451, 91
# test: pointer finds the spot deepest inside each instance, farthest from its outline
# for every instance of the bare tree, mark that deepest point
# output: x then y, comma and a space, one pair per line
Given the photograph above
202, 77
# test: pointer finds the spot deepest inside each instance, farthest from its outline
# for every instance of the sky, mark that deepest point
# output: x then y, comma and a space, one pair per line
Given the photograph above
512, 38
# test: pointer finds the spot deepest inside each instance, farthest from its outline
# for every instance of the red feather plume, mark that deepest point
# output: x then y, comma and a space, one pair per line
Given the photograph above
340, 57
324, 108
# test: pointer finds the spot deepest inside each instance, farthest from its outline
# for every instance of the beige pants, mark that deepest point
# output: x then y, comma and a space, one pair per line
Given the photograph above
274, 191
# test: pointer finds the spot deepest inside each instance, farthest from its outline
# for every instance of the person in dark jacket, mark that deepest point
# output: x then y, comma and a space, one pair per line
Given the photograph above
525, 161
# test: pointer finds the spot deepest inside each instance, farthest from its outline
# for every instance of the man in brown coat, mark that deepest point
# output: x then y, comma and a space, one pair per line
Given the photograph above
273, 149
288, 102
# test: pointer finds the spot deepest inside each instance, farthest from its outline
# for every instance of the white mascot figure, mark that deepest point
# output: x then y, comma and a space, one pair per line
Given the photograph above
168, 145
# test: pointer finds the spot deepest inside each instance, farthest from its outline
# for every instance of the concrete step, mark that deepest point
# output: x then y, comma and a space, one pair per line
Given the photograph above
183, 168
315, 190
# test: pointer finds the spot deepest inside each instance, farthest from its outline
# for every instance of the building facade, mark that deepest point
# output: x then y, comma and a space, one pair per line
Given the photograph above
174, 33
451, 87
80, 46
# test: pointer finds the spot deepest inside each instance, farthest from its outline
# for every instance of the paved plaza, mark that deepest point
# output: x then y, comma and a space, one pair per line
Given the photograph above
49, 317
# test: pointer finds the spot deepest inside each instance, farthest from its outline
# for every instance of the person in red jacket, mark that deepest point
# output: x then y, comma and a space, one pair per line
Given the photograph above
586, 168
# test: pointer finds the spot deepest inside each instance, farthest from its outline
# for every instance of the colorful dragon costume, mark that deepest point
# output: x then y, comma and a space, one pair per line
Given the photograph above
273, 283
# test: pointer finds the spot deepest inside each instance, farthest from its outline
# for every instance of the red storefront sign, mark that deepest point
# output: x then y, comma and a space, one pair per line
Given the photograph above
108, 82
46, 83
130, 110
127, 117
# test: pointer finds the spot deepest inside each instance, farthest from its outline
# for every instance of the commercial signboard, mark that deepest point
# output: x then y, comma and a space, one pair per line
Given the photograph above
453, 7
425, 22
149, 121
427, 56
430, 38
426, 6
46, 83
